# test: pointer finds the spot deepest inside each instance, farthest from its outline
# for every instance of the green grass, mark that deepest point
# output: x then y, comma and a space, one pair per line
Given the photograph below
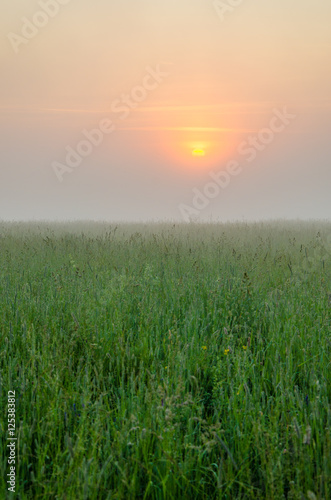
167, 361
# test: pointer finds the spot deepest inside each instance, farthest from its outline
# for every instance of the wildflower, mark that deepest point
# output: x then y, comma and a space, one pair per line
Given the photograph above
245, 347
226, 351
204, 348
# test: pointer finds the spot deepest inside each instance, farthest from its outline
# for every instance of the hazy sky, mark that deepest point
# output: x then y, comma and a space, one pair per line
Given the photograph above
154, 109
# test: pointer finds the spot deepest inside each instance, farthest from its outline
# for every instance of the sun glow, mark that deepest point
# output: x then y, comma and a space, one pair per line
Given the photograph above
195, 151
198, 152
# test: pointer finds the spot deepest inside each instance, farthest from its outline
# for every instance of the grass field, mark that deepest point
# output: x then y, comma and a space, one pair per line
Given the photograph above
167, 361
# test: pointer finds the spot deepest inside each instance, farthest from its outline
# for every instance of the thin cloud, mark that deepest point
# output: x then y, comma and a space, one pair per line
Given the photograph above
188, 129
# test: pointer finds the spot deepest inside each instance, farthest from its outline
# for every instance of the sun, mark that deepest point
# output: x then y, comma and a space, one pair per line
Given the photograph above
198, 152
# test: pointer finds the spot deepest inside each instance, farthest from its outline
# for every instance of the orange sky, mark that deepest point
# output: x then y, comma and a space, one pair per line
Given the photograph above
217, 85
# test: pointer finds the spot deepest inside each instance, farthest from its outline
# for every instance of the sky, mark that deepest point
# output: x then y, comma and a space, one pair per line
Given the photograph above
138, 110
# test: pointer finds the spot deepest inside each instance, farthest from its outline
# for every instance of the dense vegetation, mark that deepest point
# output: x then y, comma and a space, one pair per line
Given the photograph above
167, 361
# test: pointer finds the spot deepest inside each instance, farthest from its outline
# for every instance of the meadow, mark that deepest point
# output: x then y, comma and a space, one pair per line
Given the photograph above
167, 361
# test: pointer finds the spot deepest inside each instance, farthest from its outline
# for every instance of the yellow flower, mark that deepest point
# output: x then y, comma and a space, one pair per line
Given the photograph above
204, 347
226, 351
165, 367
244, 347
